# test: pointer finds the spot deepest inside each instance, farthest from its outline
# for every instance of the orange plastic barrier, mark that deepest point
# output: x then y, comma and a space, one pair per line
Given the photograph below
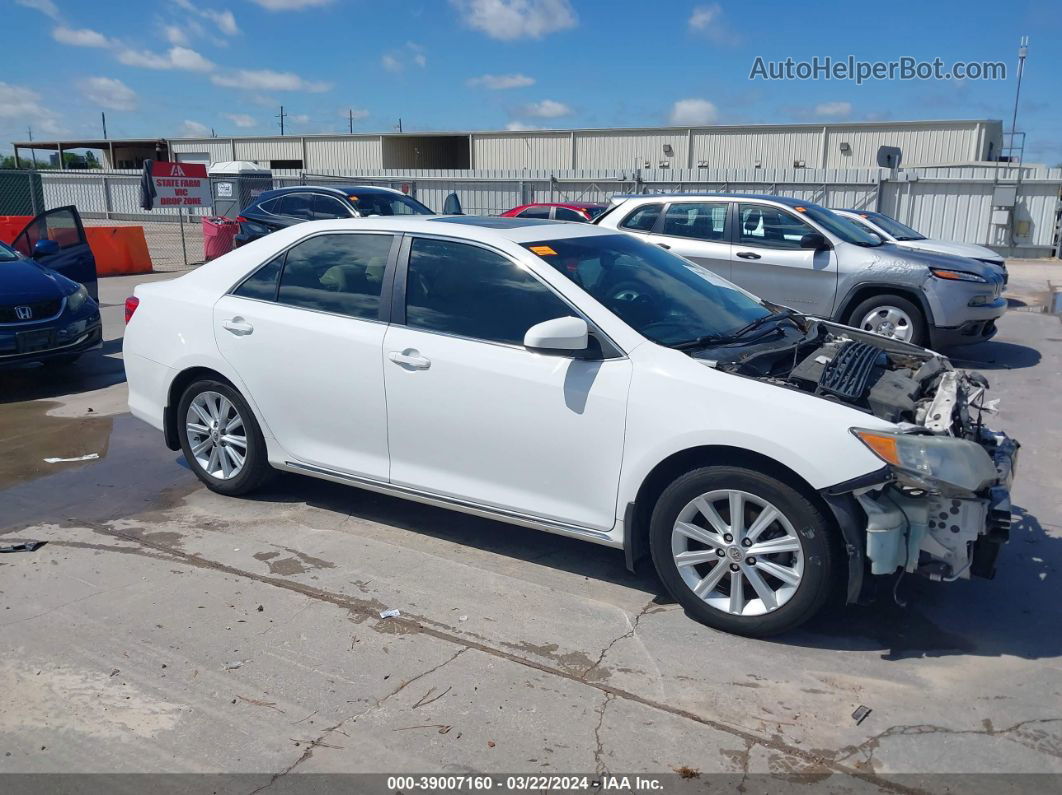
11, 225
119, 249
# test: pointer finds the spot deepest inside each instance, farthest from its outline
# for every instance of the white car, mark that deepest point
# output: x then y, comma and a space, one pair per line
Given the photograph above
583, 382
892, 231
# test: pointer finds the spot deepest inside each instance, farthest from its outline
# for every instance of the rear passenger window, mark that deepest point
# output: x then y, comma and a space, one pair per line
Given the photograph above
535, 212
468, 291
296, 205
644, 218
328, 207
262, 284
340, 273
700, 220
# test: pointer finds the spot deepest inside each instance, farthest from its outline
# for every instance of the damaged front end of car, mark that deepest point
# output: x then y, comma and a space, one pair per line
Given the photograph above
940, 504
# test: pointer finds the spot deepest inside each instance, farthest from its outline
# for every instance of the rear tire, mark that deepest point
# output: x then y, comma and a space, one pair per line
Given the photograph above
897, 317
767, 574
221, 439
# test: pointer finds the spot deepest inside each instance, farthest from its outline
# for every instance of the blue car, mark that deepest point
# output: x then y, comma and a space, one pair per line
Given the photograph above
48, 292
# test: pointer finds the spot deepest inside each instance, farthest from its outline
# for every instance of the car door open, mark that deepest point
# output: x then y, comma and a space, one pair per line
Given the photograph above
474, 415
74, 258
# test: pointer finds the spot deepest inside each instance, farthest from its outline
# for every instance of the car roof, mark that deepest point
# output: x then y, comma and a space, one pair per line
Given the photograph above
573, 205
786, 200
336, 190
485, 228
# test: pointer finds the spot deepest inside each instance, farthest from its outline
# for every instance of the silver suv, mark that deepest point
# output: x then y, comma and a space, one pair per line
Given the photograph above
806, 257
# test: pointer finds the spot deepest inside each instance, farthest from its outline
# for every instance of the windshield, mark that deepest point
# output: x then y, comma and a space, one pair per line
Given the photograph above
835, 224
388, 204
7, 254
893, 227
661, 296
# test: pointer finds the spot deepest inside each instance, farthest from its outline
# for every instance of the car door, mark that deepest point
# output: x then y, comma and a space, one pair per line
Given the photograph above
305, 333
475, 416
769, 262
74, 259
698, 232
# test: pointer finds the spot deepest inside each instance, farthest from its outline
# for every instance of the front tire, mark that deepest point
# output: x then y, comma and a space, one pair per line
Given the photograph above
742, 551
221, 439
890, 316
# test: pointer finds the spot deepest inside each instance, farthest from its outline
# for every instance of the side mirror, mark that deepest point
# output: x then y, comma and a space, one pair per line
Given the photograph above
563, 335
874, 234
814, 240
45, 248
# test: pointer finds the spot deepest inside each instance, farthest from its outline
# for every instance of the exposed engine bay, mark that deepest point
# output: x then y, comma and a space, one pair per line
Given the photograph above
941, 506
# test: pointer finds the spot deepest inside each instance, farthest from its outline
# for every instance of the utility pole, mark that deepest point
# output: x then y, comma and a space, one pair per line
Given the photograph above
103, 118
1023, 51
281, 116
33, 152
400, 124
350, 120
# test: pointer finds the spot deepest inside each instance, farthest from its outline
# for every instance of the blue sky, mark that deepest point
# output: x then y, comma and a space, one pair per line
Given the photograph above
184, 67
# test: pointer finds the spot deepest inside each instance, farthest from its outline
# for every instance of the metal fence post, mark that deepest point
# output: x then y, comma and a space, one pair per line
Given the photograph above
184, 248
106, 198
33, 193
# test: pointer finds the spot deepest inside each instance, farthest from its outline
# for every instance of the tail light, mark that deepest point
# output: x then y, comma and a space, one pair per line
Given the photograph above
131, 303
241, 219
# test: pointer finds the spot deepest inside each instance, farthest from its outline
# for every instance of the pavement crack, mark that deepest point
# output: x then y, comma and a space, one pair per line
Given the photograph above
599, 746
628, 634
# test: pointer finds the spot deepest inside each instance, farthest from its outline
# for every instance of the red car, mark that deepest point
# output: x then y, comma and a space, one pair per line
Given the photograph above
558, 211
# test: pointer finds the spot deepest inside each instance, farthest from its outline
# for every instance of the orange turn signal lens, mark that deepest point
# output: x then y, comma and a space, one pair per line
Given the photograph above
883, 445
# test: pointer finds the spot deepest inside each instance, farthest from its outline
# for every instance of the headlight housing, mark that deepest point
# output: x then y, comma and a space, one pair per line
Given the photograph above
932, 462
77, 299
957, 276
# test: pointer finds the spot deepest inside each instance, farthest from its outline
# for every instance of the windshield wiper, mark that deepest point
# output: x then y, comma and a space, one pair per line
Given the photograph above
733, 336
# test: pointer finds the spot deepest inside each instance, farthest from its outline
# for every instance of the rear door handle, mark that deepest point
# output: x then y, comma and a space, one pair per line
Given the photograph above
410, 359
748, 255
238, 326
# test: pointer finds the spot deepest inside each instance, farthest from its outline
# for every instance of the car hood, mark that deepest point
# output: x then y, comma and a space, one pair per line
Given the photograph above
899, 256
23, 280
955, 249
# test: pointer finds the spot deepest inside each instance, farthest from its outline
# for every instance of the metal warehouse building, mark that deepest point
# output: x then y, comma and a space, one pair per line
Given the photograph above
834, 146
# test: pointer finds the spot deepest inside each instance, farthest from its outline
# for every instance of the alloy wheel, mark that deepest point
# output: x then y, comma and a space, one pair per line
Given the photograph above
737, 552
216, 435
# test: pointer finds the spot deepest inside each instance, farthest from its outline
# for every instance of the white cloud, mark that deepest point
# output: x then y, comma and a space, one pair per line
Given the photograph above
46, 7
240, 119
517, 19
693, 112
175, 35
22, 106
82, 37
107, 92
193, 129
708, 21
516, 126
500, 82
833, 109
224, 20
298, 118
290, 5
546, 109
268, 80
409, 54
175, 58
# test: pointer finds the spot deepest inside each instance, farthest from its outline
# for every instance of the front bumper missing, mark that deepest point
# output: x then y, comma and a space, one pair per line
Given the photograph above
939, 535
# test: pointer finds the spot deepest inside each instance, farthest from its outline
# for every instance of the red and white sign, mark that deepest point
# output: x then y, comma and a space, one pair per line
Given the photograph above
180, 184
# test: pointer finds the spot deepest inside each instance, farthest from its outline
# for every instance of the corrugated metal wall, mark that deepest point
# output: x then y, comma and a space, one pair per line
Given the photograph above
523, 150
622, 149
343, 152
938, 143
773, 148
265, 149
219, 150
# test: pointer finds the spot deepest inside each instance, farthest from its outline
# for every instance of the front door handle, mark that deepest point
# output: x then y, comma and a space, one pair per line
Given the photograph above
238, 326
409, 359
748, 255
664, 245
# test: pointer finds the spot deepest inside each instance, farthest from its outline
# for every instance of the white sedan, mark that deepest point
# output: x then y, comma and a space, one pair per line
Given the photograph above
579, 381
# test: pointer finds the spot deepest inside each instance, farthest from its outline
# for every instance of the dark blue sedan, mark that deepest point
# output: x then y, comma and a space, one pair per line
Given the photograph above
45, 316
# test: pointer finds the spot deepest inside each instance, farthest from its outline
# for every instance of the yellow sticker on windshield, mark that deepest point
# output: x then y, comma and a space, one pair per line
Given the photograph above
353, 198
800, 209
542, 251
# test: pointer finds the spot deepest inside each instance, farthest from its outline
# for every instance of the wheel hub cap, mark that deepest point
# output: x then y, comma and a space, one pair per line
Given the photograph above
737, 552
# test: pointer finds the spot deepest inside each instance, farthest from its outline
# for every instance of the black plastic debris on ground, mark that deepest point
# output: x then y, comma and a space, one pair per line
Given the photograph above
25, 546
